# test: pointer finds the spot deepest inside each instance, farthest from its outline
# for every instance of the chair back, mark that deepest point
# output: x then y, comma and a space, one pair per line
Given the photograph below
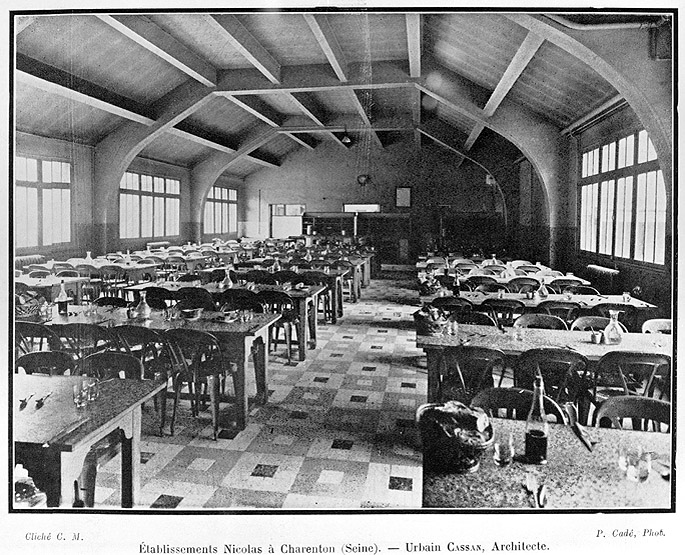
564, 373
195, 297
452, 304
84, 339
528, 268
109, 364
286, 276
37, 274
658, 325
559, 284
580, 290
540, 321
189, 278
260, 276
593, 323
466, 370
475, 317
150, 347
506, 311
30, 336
158, 297
239, 299
566, 310
492, 288
632, 373
515, 403
52, 363
475, 281
643, 411
523, 284
108, 300
201, 351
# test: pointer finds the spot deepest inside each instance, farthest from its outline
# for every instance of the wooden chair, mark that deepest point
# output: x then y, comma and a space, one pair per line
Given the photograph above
658, 325
515, 402
286, 276
476, 318
559, 284
278, 302
566, 310
195, 297
159, 298
627, 313
475, 281
81, 340
187, 278
593, 323
30, 337
239, 299
260, 276
580, 290
643, 411
453, 304
492, 288
116, 302
564, 372
505, 311
38, 274
523, 284
466, 370
528, 269
52, 363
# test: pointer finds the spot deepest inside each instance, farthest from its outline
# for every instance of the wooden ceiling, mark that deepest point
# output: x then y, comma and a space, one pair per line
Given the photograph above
293, 78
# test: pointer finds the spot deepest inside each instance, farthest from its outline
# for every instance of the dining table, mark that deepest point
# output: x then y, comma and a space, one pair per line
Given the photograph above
305, 301
513, 343
52, 436
239, 339
532, 301
49, 286
574, 477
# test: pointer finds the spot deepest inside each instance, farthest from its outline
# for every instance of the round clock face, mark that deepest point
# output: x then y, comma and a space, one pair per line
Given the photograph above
362, 179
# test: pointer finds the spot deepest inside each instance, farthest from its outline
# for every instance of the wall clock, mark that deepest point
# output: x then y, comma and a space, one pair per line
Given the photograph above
363, 179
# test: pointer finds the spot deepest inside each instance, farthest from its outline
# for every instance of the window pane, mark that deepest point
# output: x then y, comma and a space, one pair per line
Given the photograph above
56, 172
651, 153
47, 216
224, 217
207, 225
624, 205
642, 147
159, 185
605, 220
650, 216
232, 218
146, 183
172, 216
232, 194
66, 215
146, 216
595, 161
583, 171
640, 217
158, 230
66, 172
20, 168
660, 235
47, 171
173, 186
31, 170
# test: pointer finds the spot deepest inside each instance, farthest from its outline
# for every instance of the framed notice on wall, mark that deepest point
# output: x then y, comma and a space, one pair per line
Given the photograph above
403, 197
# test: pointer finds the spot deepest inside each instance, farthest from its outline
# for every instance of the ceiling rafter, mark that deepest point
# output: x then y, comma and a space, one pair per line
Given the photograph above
310, 107
258, 108
22, 22
153, 38
362, 105
414, 24
243, 41
323, 32
306, 141
58, 82
529, 47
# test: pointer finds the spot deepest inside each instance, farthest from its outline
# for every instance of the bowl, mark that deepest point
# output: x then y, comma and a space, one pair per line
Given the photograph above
191, 314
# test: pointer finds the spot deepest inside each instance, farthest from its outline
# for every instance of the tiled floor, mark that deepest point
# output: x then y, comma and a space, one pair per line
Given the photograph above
338, 430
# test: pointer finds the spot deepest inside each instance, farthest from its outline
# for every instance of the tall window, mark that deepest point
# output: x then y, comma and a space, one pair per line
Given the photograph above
221, 211
623, 200
42, 202
149, 206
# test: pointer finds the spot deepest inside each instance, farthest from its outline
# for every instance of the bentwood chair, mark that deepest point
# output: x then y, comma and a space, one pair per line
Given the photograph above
466, 370
453, 304
206, 365
278, 302
81, 340
627, 313
643, 412
540, 321
195, 297
568, 311
506, 311
492, 288
559, 284
593, 323
114, 302
30, 336
515, 403
476, 318
580, 290
658, 325
523, 284
239, 299
564, 372
52, 363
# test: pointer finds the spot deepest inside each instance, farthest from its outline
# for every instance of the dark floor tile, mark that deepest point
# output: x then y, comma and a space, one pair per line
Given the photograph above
344, 444
321, 379
265, 470
368, 368
228, 433
166, 502
408, 385
336, 355
145, 456
358, 398
401, 484
299, 415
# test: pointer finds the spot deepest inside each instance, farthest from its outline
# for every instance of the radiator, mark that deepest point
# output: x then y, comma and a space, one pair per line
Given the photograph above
602, 278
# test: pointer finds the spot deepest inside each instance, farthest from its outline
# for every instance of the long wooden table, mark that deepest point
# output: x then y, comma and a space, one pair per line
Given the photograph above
492, 337
305, 301
52, 441
49, 286
240, 339
575, 477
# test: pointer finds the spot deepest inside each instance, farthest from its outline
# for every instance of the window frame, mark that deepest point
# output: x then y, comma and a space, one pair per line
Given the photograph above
227, 204
614, 177
41, 186
172, 203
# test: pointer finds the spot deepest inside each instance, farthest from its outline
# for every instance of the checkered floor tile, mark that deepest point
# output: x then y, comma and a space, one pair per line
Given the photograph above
337, 432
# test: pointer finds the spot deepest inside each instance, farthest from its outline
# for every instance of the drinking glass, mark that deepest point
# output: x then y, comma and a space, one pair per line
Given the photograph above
504, 450
518, 333
634, 462
91, 389
79, 395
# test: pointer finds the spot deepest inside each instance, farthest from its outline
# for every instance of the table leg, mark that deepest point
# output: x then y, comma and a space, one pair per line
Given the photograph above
339, 289
302, 328
261, 361
130, 460
433, 357
313, 322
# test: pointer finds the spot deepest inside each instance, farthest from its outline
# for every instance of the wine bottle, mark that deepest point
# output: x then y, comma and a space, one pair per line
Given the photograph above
537, 427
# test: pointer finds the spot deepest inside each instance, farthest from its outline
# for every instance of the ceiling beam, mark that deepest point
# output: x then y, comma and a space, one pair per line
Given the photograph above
518, 64
312, 109
442, 143
258, 108
323, 32
414, 43
153, 38
300, 124
21, 22
303, 139
243, 41
516, 67
362, 101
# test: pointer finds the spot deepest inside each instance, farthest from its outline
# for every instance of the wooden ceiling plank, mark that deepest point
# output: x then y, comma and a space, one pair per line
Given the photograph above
519, 62
414, 43
153, 38
304, 140
323, 32
22, 22
243, 41
258, 108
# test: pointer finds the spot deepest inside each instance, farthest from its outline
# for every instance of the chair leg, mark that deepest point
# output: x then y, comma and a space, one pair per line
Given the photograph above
177, 384
287, 331
88, 478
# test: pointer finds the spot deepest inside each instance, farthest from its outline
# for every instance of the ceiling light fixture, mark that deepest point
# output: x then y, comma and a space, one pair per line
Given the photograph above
346, 139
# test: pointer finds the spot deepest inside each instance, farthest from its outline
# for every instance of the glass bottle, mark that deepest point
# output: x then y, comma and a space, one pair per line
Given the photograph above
537, 427
613, 333
89, 258
143, 309
542, 290
62, 299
